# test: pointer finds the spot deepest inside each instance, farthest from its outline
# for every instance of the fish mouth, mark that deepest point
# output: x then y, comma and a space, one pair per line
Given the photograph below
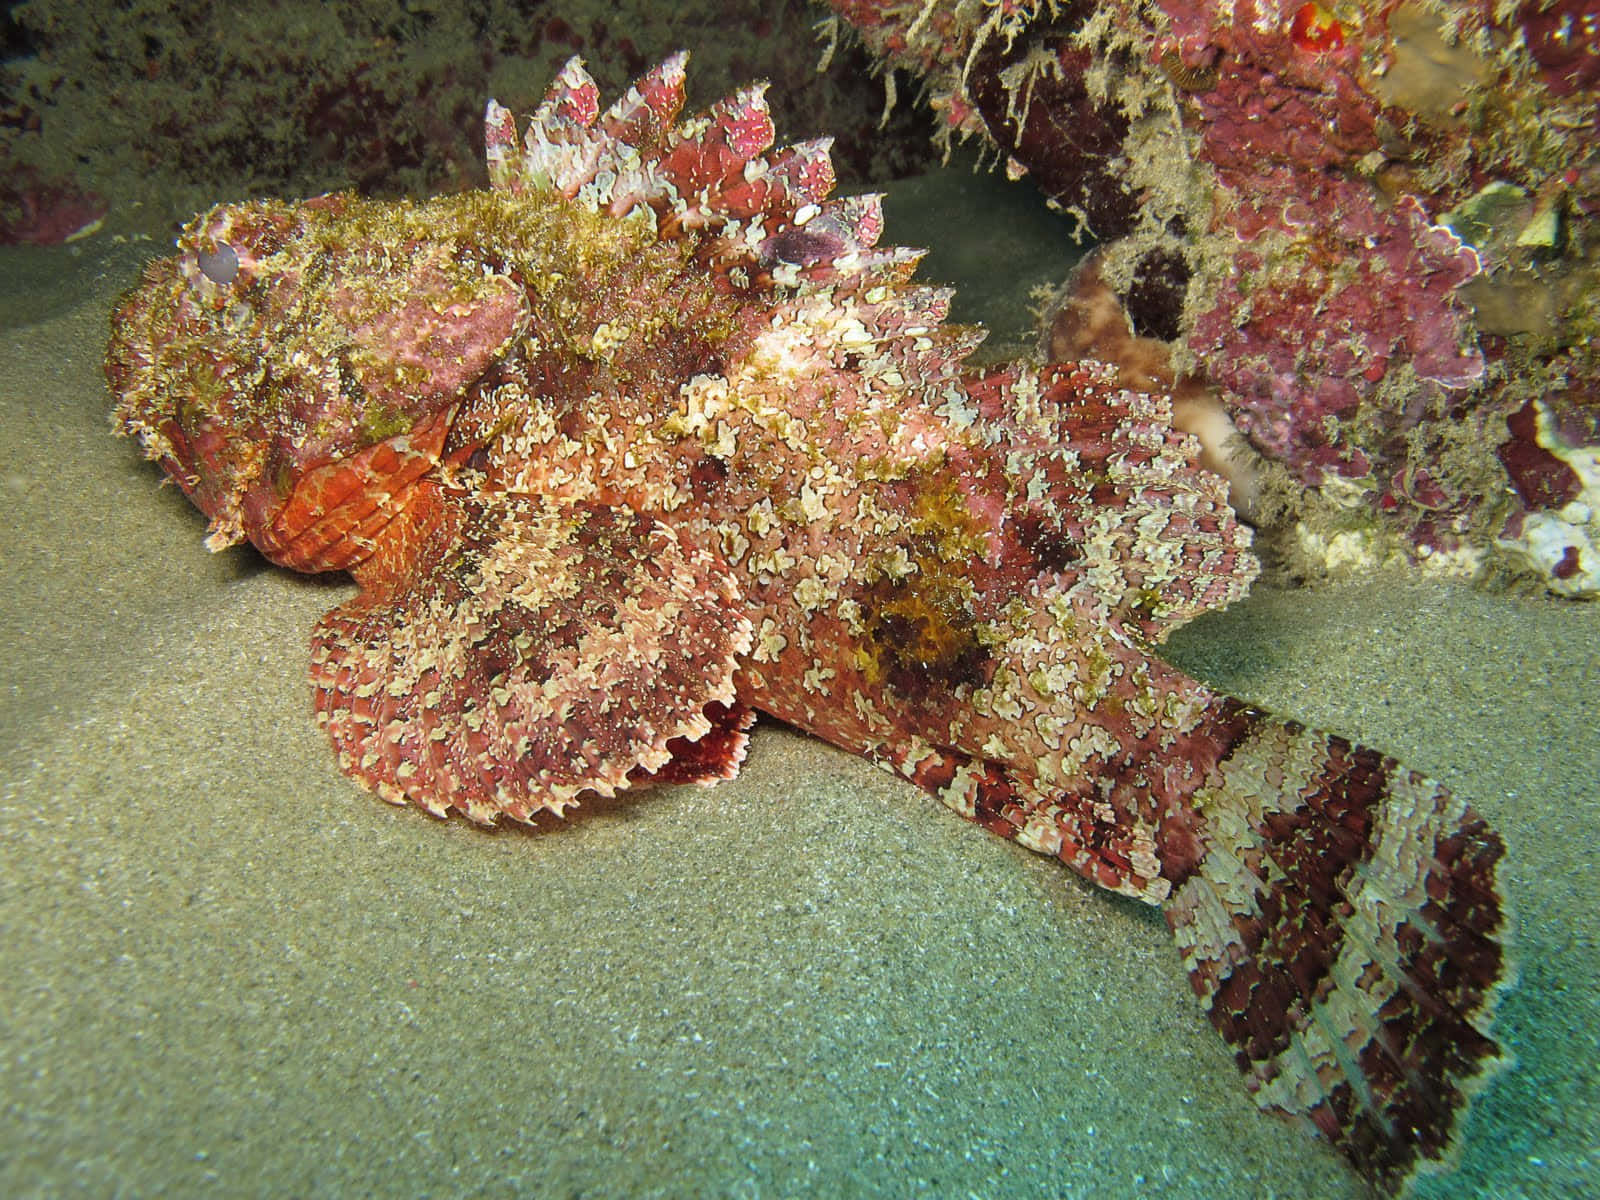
334, 513
168, 390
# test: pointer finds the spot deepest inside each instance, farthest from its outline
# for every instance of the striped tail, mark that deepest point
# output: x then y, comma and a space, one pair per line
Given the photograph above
1343, 929
1338, 914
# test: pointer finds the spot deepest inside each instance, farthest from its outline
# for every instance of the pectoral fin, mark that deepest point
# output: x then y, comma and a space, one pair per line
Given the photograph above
509, 653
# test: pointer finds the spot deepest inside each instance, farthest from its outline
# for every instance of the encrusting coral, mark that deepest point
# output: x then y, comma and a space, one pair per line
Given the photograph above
1370, 226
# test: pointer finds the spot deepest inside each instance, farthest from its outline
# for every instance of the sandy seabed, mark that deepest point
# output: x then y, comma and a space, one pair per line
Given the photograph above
226, 970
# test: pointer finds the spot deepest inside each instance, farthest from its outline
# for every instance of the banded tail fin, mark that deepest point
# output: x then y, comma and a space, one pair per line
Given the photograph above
1342, 927
1338, 914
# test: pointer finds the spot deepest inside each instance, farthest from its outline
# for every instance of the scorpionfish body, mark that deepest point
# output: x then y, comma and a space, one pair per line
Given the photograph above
652, 435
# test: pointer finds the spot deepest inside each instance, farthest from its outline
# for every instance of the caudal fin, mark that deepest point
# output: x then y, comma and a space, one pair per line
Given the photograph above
1344, 931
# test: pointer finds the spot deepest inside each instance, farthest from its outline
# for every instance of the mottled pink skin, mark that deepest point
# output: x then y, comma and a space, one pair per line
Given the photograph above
369, 397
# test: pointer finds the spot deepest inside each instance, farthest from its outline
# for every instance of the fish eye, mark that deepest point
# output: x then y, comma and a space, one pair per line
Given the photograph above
221, 265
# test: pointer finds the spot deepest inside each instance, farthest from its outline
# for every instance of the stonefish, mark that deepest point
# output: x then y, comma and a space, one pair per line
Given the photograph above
652, 436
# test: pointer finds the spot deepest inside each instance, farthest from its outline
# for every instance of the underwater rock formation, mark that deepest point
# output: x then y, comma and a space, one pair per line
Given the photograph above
1371, 226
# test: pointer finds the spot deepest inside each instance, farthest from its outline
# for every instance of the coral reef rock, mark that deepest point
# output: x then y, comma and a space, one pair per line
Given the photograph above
1370, 226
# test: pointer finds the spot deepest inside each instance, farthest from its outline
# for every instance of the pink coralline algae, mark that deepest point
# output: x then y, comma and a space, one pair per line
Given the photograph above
653, 435
1371, 227
1380, 284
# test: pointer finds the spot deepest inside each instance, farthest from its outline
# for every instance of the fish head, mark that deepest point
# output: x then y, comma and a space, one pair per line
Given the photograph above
295, 367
